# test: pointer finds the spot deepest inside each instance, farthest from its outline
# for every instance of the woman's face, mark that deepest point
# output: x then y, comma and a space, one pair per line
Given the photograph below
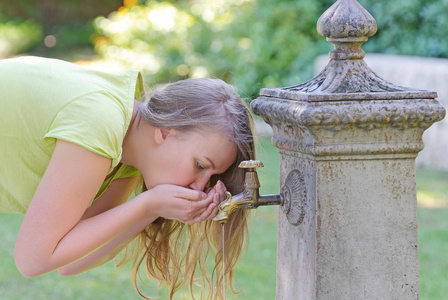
188, 159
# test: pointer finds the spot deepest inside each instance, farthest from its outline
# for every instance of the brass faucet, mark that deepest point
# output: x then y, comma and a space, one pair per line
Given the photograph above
250, 197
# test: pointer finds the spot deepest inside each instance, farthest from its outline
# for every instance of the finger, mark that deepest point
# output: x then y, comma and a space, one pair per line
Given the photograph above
202, 209
219, 185
191, 195
203, 216
203, 206
215, 209
221, 188
216, 198
198, 207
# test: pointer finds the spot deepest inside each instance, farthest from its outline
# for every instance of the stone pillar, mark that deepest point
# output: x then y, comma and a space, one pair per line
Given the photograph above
351, 139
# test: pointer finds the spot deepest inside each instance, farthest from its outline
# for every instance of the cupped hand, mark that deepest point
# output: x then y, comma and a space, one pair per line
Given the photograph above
185, 205
220, 195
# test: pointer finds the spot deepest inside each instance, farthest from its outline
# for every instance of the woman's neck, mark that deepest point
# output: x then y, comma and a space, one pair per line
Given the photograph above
128, 141
138, 139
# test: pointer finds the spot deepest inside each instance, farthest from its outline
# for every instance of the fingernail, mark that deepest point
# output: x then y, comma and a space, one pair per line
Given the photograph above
204, 195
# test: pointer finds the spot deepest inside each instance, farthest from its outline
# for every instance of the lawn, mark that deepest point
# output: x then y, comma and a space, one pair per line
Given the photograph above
256, 272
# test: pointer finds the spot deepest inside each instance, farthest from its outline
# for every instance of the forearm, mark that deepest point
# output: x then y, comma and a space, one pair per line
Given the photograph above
106, 253
86, 237
41, 248
109, 230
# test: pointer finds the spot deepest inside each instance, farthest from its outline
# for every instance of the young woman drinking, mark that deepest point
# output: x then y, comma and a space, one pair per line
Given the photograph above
75, 144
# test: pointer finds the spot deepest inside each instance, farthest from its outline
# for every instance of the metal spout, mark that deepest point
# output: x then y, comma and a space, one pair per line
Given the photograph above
249, 198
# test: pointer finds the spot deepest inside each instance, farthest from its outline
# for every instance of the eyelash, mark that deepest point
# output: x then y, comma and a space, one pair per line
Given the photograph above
199, 166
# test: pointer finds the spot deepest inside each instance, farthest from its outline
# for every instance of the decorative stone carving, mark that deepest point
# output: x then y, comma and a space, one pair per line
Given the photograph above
337, 116
294, 197
346, 72
347, 31
341, 78
346, 19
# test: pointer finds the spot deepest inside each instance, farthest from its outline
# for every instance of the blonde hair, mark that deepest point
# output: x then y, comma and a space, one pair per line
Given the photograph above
174, 253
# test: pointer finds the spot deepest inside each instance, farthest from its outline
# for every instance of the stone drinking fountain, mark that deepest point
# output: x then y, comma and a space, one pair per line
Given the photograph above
347, 141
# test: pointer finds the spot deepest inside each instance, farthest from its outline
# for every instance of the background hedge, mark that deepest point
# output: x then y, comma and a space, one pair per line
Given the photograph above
249, 43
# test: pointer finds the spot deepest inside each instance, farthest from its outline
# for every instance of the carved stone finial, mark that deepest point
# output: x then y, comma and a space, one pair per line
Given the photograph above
347, 25
346, 19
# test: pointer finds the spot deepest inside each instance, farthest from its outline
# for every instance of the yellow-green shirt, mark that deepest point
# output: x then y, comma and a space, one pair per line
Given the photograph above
42, 100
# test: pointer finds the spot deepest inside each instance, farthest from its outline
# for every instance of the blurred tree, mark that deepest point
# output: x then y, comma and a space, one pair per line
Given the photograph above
62, 24
246, 42
255, 43
16, 37
51, 13
249, 43
411, 27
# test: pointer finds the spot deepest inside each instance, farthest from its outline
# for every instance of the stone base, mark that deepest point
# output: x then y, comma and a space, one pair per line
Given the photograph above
358, 239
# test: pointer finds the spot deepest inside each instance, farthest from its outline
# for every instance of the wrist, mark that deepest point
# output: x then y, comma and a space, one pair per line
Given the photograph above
151, 207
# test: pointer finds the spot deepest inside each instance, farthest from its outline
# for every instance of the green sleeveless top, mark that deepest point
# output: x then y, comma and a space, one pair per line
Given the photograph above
42, 100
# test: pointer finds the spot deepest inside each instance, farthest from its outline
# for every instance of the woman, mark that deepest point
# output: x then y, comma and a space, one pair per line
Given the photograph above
76, 143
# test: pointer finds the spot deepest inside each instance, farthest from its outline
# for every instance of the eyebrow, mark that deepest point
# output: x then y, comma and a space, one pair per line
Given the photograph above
210, 161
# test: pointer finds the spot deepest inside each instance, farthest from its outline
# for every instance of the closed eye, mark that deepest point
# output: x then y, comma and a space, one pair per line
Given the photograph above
199, 166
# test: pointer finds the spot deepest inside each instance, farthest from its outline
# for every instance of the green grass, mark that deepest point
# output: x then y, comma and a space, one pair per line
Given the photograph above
102, 283
256, 274
433, 250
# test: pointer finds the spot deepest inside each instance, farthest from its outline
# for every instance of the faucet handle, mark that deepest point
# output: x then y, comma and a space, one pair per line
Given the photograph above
251, 177
250, 164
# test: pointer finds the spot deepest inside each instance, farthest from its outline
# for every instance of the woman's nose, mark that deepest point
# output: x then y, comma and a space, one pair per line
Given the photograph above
200, 183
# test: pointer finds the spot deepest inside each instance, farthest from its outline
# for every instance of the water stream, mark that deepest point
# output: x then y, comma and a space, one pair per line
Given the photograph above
223, 265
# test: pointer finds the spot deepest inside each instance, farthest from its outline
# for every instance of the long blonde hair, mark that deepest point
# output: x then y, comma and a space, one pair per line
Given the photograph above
174, 253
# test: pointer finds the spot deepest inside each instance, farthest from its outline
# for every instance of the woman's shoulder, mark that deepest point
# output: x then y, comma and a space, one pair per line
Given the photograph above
95, 122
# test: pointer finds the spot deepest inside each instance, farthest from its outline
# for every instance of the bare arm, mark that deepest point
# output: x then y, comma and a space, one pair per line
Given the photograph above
53, 233
117, 194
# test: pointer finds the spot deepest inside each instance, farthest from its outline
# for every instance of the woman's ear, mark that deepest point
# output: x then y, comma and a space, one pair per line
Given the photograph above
161, 134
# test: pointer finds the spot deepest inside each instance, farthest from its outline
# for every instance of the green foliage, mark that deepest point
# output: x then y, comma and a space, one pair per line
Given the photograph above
24, 24
411, 27
256, 43
16, 37
57, 12
248, 43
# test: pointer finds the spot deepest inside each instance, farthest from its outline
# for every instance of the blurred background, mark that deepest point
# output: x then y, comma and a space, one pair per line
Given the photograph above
251, 44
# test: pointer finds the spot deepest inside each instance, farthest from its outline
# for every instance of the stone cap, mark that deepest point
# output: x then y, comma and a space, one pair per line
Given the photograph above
291, 94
